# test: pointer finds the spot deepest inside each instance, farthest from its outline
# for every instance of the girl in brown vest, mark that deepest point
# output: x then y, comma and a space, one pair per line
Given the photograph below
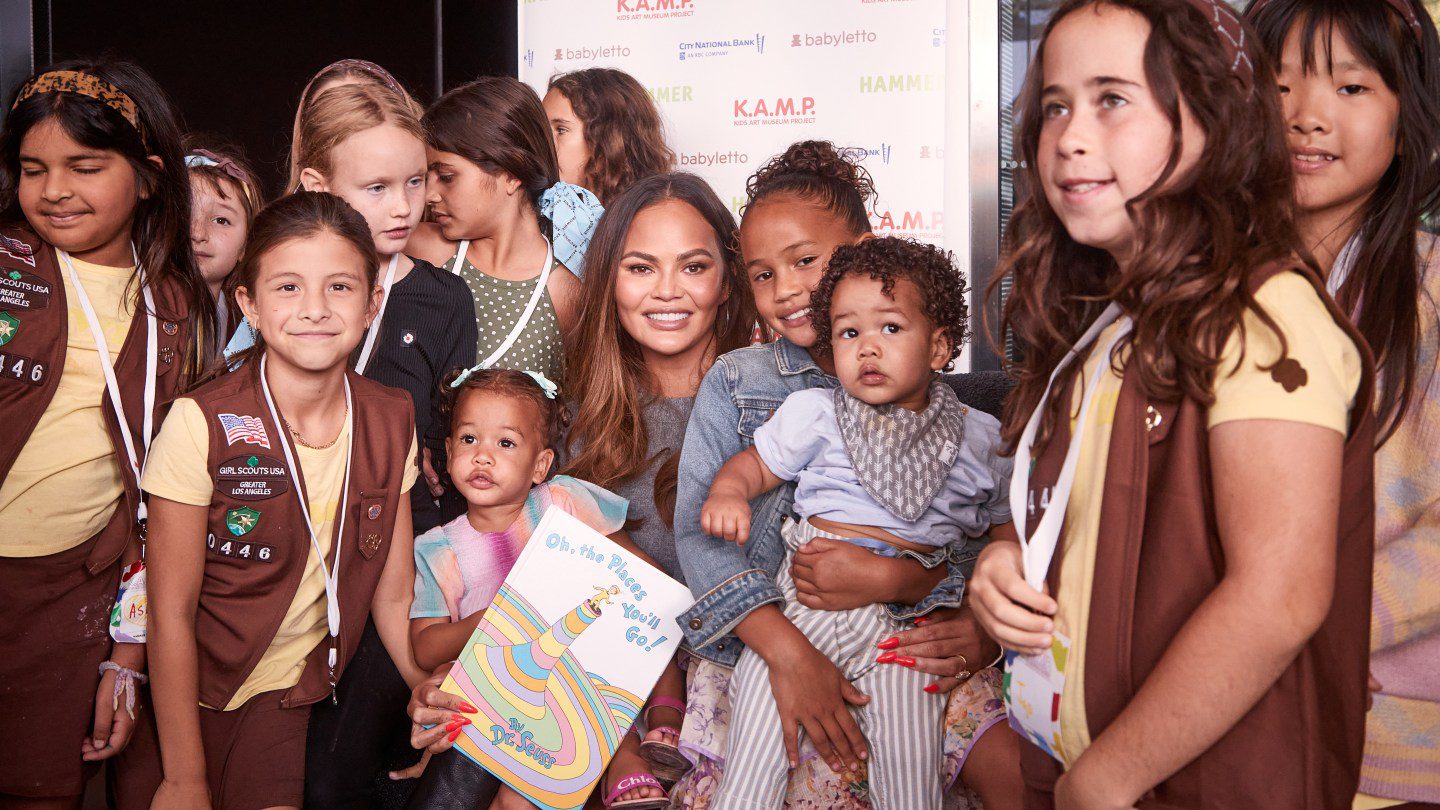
1361, 95
1187, 613
103, 317
281, 522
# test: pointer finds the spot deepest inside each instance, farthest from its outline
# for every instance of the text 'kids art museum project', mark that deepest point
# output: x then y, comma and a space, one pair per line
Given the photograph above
563, 660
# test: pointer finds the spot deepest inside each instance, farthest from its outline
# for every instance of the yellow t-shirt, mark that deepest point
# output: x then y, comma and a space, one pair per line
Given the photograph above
1332, 369
66, 483
178, 470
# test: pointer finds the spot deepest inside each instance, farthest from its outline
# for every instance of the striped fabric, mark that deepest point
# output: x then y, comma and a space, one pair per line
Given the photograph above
1402, 734
901, 722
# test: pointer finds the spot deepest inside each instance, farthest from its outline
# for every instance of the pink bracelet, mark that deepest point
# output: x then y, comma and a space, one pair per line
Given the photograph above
125, 680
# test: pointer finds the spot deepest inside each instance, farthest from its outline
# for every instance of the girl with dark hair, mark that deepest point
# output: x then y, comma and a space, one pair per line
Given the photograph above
1359, 83
224, 199
494, 187
103, 318
295, 472
1192, 431
607, 130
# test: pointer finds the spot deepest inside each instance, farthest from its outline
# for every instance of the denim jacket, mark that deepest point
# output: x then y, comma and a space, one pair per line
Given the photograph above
738, 395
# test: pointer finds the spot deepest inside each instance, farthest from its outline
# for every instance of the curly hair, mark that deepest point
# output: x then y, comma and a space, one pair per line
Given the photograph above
888, 259
621, 126
1200, 234
821, 172
550, 415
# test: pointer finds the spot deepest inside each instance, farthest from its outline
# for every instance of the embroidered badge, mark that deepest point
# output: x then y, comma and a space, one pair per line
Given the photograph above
16, 249
167, 355
241, 521
169, 328
9, 327
253, 478
370, 544
1152, 418
1289, 374
240, 550
374, 512
23, 291
248, 429
24, 369
407, 337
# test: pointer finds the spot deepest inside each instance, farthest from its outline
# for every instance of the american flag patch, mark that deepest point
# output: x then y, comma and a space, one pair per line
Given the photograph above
248, 429
17, 249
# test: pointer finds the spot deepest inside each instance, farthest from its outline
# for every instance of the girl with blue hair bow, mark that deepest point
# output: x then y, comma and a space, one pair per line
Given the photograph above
493, 189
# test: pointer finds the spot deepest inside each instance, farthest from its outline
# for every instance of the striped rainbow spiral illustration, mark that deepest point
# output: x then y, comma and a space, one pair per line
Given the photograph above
543, 721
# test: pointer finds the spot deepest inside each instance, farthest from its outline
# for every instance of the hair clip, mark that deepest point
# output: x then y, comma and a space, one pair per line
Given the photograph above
465, 375
540, 380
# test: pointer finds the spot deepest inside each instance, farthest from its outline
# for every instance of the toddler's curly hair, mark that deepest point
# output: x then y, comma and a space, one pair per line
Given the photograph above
550, 415
890, 258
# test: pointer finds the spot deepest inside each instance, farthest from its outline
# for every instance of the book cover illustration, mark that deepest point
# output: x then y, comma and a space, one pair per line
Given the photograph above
563, 661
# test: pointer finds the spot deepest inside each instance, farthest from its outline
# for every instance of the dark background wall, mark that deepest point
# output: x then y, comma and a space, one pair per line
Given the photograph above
237, 68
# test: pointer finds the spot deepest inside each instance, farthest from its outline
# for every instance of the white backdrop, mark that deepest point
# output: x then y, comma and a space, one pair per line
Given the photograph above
738, 80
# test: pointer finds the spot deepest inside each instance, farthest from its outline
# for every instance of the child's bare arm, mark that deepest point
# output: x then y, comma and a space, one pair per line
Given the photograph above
390, 606
726, 513
439, 640
175, 566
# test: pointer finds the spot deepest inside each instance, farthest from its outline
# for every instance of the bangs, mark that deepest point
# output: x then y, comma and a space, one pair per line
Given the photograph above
1370, 29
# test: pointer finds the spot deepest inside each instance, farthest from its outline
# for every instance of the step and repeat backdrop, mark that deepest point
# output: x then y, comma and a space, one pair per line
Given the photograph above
736, 81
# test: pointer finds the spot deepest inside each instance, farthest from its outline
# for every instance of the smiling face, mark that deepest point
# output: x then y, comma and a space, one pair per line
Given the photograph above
380, 172
497, 448
786, 243
885, 348
569, 133
1341, 121
311, 301
79, 199
217, 228
468, 201
670, 282
1105, 138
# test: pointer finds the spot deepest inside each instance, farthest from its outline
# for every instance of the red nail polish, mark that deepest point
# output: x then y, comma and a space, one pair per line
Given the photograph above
885, 658
889, 643
920, 622
452, 736
905, 661
468, 709
932, 688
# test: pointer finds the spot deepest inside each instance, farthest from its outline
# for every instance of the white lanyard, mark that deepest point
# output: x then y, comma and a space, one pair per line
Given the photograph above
529, 308
330, 575
112, 385
380, 316
1039, 548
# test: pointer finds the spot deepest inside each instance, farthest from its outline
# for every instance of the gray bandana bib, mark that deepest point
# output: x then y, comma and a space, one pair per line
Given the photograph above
902, 458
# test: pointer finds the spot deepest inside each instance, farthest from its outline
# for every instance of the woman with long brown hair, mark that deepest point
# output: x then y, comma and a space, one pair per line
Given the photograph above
1199, 413
607, 130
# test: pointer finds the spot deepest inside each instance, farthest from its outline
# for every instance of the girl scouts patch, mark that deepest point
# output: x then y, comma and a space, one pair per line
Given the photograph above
251, 478
241, 521
25, 291
9, 327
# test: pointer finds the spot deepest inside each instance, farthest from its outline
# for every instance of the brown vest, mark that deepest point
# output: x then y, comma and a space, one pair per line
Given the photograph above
1160, 556
257, 543
33, 307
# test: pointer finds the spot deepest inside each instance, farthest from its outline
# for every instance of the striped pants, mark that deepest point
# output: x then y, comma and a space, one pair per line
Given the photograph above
901, 722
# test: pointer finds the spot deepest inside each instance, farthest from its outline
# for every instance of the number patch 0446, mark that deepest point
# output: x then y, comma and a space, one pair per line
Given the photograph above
239, 549
24, 369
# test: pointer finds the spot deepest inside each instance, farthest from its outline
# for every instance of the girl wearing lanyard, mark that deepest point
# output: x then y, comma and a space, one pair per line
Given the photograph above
363, 143
1187, 612
494, 188
101, 318
279, 524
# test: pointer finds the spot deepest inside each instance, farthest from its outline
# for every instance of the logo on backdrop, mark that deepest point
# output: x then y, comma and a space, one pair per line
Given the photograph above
716, 158
900, 83
774, 110
530, 57
914, 223
653, 9
928, 152
937, 37
706, 48
586, 53
881, 151
671, 94
832, 40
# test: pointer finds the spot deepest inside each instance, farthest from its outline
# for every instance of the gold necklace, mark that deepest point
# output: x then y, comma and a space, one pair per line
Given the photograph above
301, 441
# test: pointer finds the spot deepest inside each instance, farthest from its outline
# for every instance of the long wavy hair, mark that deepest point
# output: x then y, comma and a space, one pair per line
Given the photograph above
161, 228
1382, 290
606, 362
1199, 234
621, 126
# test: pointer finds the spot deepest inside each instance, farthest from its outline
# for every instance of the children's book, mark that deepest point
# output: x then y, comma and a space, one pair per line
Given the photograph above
563, 661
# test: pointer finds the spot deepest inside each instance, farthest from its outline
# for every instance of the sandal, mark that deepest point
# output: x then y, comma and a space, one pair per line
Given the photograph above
636, 780
665, 759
